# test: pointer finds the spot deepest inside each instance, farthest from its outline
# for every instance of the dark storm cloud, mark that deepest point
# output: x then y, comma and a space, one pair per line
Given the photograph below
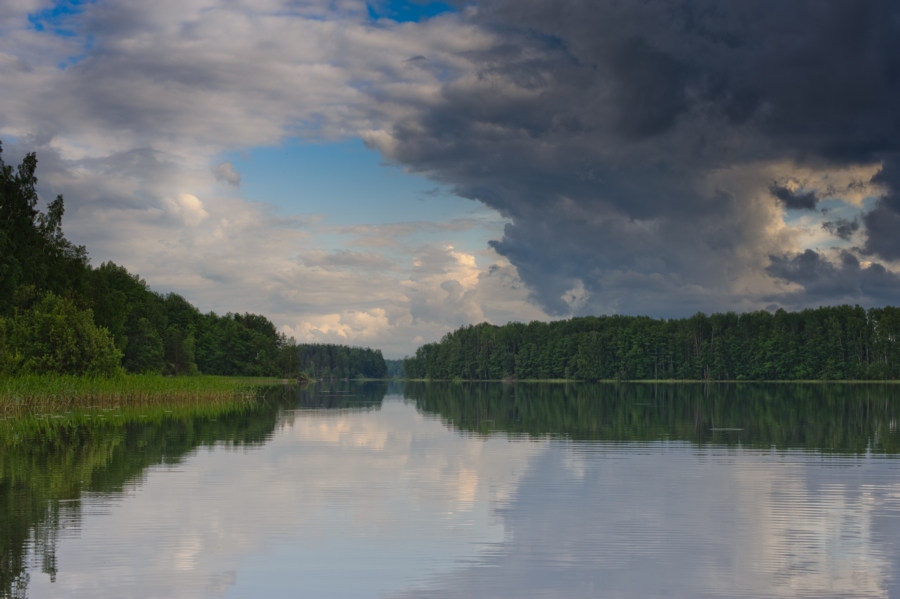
651, 89
841, 227
883, 222
613, 135
793, 200
825, 282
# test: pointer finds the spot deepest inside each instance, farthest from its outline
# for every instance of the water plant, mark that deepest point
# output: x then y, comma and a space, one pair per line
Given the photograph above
34, 394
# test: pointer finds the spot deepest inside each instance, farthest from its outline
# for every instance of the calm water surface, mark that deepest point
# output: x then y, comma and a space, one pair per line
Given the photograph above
380, 490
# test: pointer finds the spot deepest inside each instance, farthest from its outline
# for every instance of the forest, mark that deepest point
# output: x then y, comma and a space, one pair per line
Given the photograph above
321, 361
61, 315
395, 369
832, 343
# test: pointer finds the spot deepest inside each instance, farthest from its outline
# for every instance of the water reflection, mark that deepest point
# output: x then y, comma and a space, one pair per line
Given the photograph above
843, 418
532, 491
681, 523
46, 469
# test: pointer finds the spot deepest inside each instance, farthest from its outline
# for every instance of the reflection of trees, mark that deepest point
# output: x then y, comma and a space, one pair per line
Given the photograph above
830, 418
343, 395
42, 480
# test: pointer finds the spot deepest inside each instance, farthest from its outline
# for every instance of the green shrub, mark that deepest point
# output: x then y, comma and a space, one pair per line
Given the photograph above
55, 337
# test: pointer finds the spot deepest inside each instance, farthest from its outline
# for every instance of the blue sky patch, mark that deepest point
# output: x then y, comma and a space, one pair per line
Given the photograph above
56, 18
345, 180
351, 185
406, 11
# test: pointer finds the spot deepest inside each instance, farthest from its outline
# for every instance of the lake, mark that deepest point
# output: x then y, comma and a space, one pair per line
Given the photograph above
467, 490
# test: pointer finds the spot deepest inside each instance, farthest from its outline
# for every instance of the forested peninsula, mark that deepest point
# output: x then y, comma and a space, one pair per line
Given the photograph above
60, 315
831, 343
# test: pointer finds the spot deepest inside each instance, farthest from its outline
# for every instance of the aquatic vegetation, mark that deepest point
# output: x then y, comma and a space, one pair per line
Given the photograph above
49, 459
33, 395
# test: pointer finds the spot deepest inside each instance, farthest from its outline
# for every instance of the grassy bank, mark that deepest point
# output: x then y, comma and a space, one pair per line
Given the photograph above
31, 395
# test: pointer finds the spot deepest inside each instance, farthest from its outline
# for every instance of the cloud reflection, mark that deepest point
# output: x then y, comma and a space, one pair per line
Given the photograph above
671, 520
338, 503
390, 502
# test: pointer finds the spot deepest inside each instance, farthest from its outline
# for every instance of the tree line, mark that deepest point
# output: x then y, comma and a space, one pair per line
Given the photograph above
835, 343
395, 369
324, 361
59, 314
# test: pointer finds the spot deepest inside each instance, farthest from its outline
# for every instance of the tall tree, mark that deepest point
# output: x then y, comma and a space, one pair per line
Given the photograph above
33, 250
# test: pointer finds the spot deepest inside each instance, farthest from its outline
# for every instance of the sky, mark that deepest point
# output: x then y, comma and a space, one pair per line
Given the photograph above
380, 173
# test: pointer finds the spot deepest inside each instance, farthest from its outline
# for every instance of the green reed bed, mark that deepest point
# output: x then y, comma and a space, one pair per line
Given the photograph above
90, 422
35, 395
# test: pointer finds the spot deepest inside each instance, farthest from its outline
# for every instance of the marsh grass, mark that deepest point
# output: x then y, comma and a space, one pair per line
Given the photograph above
52, 396
64, 426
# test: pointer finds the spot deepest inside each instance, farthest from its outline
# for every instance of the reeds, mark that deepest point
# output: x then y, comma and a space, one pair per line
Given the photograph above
35, 395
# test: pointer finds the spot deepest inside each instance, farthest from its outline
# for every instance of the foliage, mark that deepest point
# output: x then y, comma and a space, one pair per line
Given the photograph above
34, 394
55, 337
395, 369
152, 333
341, 362
33, 251
836, 343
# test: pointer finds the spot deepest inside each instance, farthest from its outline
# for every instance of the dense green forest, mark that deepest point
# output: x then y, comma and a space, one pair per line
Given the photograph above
838, 343
395, 369
322, 361
59, 314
